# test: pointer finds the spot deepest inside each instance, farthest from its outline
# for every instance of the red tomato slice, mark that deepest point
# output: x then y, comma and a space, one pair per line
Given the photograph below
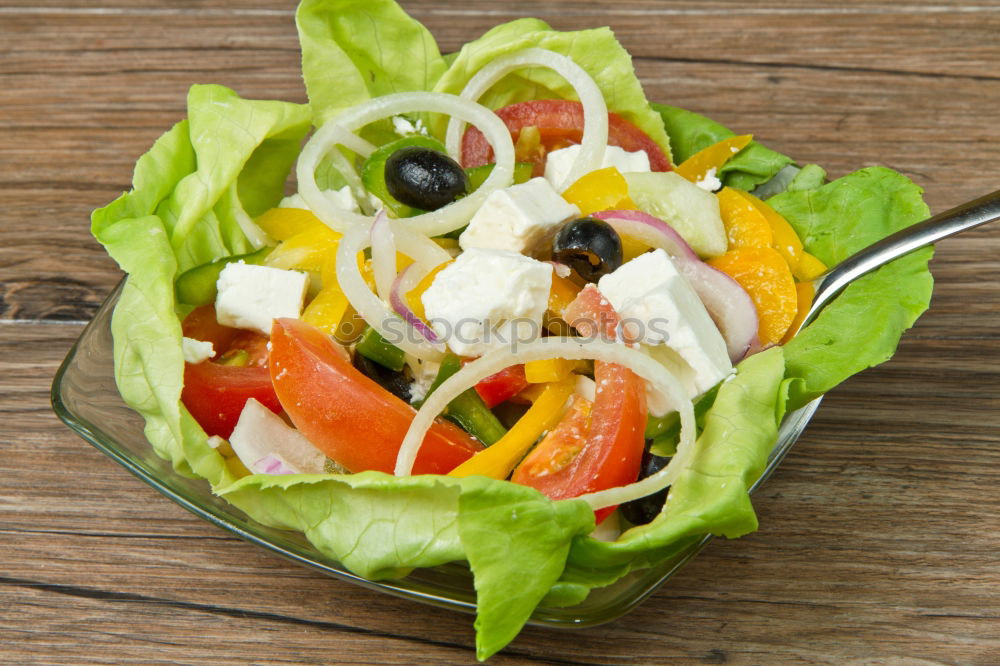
607, 453
559, 122
347, 415
201, 324
215, 394
502, 386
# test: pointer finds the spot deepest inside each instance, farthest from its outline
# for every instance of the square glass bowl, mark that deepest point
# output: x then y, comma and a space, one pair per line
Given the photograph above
85, 397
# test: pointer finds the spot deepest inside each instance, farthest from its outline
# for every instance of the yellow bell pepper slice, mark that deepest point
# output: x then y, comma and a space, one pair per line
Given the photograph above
499, 460
327, 310
604, 189
549, 370
809, 268
305, 251
804, 292
413, 297
784, 238
283, 223
745, 224
697, 166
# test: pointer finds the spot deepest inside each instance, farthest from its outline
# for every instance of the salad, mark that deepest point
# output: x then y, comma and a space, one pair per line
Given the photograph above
507, 312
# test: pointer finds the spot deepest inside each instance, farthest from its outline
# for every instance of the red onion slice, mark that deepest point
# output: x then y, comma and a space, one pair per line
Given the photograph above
728, 304
404, 282
648, 229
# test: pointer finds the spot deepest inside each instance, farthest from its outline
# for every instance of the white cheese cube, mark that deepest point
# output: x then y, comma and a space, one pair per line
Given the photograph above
252, 296
559, 162
518, 218
656, 302
196, 351
488, 299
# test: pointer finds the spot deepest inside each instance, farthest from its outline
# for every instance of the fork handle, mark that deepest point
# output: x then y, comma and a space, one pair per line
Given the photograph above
983, 210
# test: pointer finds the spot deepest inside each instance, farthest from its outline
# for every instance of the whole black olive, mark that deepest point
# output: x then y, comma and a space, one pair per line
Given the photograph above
394, 382
424, 178
645, 509
589, 246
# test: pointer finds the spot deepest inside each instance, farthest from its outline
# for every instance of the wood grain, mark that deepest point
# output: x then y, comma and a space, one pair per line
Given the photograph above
878, 539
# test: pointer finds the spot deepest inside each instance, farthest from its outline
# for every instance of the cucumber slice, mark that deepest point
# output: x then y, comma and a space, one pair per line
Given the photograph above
690, 210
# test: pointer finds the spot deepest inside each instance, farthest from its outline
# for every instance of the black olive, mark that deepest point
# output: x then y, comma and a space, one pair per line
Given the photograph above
645, 509
589, 246
424, 178
394, 382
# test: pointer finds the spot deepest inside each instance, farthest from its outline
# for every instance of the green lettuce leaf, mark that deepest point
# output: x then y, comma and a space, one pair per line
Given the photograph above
690, 132
379, 526
353, 50
862, 327
596, 51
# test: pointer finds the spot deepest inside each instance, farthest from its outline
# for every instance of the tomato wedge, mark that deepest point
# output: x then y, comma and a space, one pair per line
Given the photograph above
502, 386
559, 123
347, 415
594, 447
215, 394
201, 324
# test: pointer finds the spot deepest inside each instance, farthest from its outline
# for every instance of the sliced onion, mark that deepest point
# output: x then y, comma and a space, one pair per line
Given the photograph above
728, 304
569, 348
257, 237
418, 247
595, 110
324, 143
383, 255
404, 282
371, 308
648, 229
340, 130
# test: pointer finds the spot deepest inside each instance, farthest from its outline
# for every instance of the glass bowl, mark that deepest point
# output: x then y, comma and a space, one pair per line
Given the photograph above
85, 397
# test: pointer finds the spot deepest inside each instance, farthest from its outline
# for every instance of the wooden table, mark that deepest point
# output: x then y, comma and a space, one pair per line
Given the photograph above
879, 536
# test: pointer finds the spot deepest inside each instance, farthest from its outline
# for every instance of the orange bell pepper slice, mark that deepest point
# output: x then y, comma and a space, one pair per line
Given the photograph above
697, 166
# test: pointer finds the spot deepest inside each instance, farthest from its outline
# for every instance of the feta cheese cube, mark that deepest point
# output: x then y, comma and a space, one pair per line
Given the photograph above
559, 162
658, 304
518, 218
487, 299
196, 351
252, 296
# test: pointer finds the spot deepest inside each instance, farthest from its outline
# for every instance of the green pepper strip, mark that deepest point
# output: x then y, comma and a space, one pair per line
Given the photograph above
468, 410
196, 286
374, 347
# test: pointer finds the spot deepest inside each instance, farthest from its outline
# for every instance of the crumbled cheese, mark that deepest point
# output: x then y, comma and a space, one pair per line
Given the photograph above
488, 299
519, 218
559, 162
709, 181
403, 126
342, 198
251, 296
196, 351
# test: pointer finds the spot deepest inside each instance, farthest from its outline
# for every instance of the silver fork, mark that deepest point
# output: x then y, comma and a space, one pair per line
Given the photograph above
983, 210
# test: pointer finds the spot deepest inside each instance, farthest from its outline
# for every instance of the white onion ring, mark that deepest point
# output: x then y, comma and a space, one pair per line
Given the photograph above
727, 303
404, 282
569, 348
383, 255
418, 247
371, 308
256, 236
340, 130
595, 110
